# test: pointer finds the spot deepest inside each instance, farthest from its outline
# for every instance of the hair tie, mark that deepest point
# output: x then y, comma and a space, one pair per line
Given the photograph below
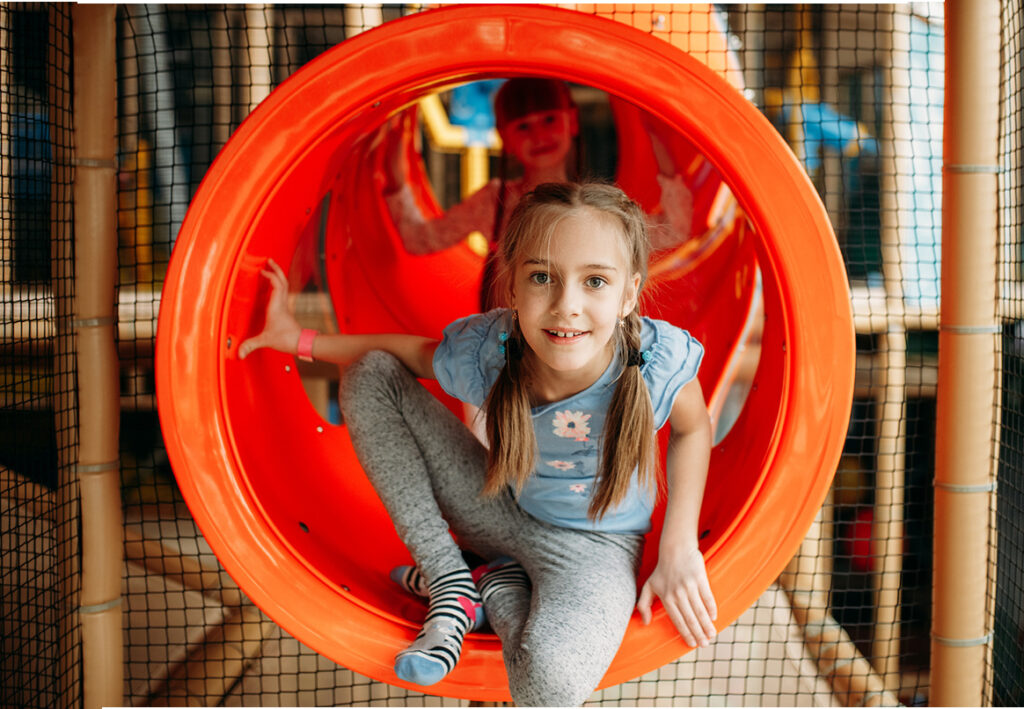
511, 347
637, 358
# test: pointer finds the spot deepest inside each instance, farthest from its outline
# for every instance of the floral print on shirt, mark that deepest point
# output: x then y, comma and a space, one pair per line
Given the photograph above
572, 424
561, 464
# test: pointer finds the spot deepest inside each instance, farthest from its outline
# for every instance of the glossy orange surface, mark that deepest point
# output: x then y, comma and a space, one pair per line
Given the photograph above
278, 492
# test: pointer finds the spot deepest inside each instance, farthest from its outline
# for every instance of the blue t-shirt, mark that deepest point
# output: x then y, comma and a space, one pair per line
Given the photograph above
568, 432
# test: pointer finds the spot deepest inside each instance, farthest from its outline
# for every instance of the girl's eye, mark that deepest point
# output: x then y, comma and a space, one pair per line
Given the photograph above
540, 278
596, 282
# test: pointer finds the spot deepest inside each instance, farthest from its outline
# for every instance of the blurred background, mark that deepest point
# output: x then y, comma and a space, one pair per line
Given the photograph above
857, 93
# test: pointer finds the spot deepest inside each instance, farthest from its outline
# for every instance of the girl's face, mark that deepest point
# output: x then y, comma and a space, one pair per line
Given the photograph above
570, 292
542, 139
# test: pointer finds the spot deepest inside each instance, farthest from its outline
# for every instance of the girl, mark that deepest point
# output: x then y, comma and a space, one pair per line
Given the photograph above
538, 122
575, 384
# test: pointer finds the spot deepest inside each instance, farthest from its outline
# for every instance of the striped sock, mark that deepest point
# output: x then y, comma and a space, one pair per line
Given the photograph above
492, 576
455, 609
410, 579
498, 575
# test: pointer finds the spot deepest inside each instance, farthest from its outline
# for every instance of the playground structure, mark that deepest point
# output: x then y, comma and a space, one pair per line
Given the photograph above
885, 316
375, 289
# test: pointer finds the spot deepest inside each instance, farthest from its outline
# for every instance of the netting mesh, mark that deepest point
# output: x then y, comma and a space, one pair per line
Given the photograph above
1007, 688
39, 645
855, 90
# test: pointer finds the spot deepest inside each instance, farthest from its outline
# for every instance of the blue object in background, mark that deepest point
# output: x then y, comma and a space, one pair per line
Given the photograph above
919, 200
31, 155
822, 127
472, 107
31, 168
334, 410
920, 209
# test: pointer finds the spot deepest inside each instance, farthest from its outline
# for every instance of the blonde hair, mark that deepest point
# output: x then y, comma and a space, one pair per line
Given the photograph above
628, 437
519, 97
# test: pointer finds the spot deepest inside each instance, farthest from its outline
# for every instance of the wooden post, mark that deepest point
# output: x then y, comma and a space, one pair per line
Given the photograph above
359, 18
223, 79
887, 524
807, 581
67, 517
259, 39
95, 190
897, 189
965, 430
6, 207
749, 24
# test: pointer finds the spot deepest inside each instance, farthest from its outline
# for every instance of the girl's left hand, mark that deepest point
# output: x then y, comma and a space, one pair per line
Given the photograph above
681, 582
280, 330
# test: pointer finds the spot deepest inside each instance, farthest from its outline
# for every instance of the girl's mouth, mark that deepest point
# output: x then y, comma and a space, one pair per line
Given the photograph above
565, 336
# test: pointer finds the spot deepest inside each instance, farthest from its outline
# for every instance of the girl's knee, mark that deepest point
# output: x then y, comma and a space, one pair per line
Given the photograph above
367, 374
550, 678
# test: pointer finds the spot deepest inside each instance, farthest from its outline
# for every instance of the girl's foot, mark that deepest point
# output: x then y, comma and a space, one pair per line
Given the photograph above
455, 609
410, 579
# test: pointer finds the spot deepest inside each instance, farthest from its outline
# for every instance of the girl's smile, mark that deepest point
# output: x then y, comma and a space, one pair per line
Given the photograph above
570, 293
541, 139
565, 337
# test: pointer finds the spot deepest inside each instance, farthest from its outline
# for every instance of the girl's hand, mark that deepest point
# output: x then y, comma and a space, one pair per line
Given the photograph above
681, 582
396, 173
281, 330
658, 134
677, 203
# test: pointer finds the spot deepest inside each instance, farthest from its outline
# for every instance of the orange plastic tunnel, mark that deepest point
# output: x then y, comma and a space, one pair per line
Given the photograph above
278, 492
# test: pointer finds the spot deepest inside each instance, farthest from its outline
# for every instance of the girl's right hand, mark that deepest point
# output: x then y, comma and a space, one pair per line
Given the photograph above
396, 173
281, 330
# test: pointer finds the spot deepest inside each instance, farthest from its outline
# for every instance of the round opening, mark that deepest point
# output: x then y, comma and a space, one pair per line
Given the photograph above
278, 491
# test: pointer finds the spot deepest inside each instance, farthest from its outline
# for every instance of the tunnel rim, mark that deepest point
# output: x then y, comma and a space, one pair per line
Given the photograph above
204, 210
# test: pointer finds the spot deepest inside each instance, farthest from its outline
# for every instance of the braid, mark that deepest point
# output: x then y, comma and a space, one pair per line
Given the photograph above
629, 424
510, 434
628, 431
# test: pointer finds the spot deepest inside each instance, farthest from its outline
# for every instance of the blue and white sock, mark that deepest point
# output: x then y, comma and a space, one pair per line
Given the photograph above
455, 608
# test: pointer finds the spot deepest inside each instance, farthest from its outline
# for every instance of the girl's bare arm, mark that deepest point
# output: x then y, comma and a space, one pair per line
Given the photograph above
281, 332
680, 579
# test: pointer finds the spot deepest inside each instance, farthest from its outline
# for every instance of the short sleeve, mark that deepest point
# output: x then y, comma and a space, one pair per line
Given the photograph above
468, 359
675, 358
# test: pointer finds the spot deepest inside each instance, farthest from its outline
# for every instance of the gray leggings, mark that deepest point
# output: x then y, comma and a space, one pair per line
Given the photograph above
428, 468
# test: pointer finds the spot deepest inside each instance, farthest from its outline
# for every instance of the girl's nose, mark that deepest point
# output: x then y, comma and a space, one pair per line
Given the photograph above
566, 302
